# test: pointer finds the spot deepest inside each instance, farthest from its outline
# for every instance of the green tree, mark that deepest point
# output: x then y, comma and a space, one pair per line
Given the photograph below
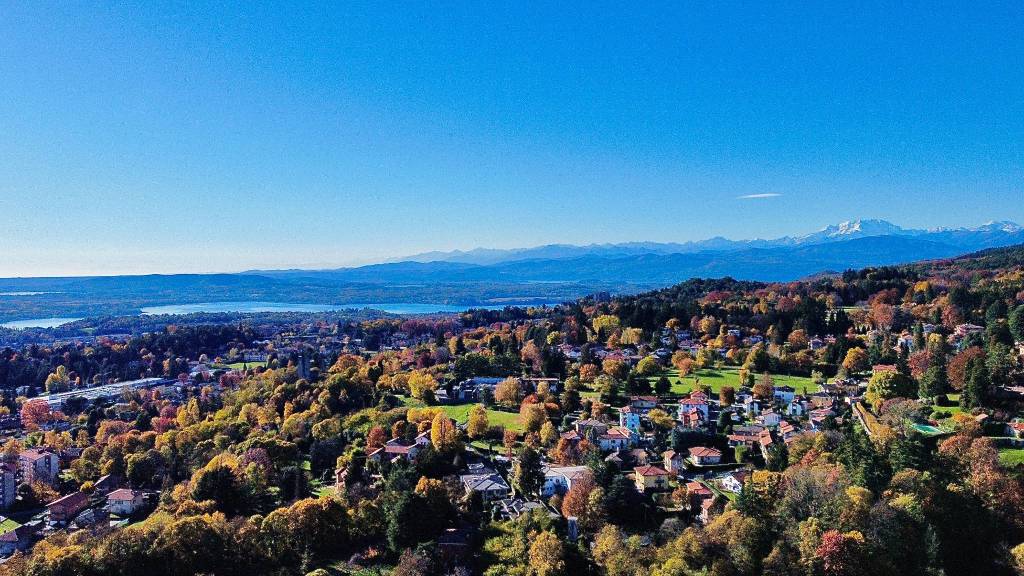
1016, 322
886, 385
976, 383
527, 476
647, 366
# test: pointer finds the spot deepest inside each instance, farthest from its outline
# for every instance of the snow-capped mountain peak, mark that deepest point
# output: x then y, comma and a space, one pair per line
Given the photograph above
999, 226
853, 229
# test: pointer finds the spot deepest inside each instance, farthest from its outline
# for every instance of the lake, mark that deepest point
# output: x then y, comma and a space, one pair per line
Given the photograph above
391, 307
252, 306
38, 323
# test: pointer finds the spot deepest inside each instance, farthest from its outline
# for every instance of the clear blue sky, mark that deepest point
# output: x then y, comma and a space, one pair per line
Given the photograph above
195, 137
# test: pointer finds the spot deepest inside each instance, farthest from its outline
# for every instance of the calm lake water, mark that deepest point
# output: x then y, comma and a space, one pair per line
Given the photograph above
392, 307
38, 323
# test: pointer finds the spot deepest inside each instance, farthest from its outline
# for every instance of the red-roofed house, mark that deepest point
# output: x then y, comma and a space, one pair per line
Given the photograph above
696, 401
616, 438
400, 448
697, 493
64, 509
705, 456
125, 502
673, 461
650, 478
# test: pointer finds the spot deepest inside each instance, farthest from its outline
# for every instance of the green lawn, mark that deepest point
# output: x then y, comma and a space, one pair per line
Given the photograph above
460, 413
6, 525
242, 365
1011, 457
729, 376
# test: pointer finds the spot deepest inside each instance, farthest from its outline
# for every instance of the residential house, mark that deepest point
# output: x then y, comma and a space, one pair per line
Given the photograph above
560, 479
784, 394
697, 493
746, 439
693, 419
673, 461
963, 330
470, 390
571, 435
751, 405
615, 457
513, 508
591, 425
788, 430
697, 401
638, 457
709, 508
705, 456
91, 517
795, 408
818, 417
769, 418
629, 418
734, 481
765, 441
39, 465
651, 478
400, 448
643, 404
616, 438
64, 509
485, 482
125, 502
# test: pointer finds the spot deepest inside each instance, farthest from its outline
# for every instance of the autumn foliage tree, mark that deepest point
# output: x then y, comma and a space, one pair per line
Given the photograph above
477, 424
35, 413
838, 553
856, 360
443, 434
546, 555
508, 392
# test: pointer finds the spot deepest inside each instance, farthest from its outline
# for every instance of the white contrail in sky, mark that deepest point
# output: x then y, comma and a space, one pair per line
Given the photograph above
752, 196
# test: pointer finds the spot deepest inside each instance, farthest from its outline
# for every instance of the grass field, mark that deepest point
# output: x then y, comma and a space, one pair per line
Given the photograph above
460, 413
729, 376
6, 525
241, 365
1011, 457
951, 410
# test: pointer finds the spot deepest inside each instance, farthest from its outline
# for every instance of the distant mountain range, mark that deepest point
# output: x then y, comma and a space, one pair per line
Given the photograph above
853, 244
551, 273
992, 234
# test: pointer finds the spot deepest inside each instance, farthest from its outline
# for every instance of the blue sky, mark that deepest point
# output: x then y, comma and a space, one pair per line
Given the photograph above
198, 137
